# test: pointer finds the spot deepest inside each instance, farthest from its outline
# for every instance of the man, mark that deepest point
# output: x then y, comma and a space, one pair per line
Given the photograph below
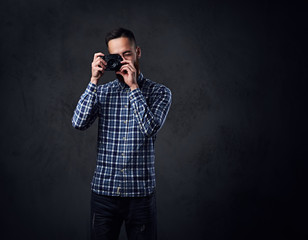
131, 109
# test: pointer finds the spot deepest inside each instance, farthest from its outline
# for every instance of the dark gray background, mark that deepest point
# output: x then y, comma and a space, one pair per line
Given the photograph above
230, 160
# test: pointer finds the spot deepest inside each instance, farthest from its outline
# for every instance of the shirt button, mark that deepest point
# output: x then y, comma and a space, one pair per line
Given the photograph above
124, 138
94, 90
122, 170
125, 121
126, 106
127, 91
131, 97
122, 154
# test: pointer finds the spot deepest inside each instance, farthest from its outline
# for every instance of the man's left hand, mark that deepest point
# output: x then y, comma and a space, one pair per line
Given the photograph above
129, 74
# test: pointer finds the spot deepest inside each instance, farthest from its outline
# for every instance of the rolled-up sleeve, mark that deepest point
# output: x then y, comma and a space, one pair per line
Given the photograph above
86, 110
152, 116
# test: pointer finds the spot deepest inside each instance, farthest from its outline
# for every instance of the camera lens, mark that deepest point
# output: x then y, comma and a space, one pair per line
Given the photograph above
112, 63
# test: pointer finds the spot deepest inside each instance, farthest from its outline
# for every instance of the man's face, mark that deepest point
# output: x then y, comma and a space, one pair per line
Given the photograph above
126, 49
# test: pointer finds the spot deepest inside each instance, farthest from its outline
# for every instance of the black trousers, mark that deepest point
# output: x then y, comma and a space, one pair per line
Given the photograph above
108, 214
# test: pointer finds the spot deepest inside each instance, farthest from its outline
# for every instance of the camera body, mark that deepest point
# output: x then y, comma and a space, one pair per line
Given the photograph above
113, 62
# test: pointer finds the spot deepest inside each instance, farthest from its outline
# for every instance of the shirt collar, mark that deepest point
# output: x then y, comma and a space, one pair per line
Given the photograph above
123, 85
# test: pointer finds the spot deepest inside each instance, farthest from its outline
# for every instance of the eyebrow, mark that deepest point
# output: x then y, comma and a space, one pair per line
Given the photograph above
127, 52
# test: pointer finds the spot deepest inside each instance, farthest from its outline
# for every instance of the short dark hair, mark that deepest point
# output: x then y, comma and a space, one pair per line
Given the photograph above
120, 32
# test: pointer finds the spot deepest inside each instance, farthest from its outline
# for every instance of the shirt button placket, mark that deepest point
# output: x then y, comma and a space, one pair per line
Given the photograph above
124, 139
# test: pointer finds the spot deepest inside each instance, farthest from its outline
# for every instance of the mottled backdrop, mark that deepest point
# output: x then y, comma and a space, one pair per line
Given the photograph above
231, 160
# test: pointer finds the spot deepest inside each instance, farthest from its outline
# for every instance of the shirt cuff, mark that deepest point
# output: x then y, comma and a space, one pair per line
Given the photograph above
91, 88
136, 96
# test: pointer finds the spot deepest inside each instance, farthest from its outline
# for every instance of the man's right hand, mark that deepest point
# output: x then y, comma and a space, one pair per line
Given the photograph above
98, 67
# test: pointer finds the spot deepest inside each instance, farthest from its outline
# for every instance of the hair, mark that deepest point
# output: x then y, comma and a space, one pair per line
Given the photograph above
120, 32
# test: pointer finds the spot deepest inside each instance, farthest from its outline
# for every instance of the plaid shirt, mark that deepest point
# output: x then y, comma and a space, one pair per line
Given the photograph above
127, 128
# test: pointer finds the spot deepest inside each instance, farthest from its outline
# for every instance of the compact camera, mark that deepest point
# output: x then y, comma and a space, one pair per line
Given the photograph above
113, 62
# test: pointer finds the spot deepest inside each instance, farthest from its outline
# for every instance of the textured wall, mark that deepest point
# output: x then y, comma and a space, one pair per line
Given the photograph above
231, 158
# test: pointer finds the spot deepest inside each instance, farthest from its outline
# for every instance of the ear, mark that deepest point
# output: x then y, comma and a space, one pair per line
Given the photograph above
138, 51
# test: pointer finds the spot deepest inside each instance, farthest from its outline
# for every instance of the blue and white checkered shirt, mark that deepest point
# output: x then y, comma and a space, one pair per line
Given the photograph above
127, 128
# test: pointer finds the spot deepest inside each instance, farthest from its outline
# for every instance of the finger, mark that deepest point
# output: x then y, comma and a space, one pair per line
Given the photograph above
104, 62
129, 63
96, 55
102, 67
119, 72
131, 68
124, 68
100, 61
126, 61
127, 68
99, 69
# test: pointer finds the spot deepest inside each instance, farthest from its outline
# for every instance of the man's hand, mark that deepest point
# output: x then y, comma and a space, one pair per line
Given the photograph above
98, 67
129, 74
